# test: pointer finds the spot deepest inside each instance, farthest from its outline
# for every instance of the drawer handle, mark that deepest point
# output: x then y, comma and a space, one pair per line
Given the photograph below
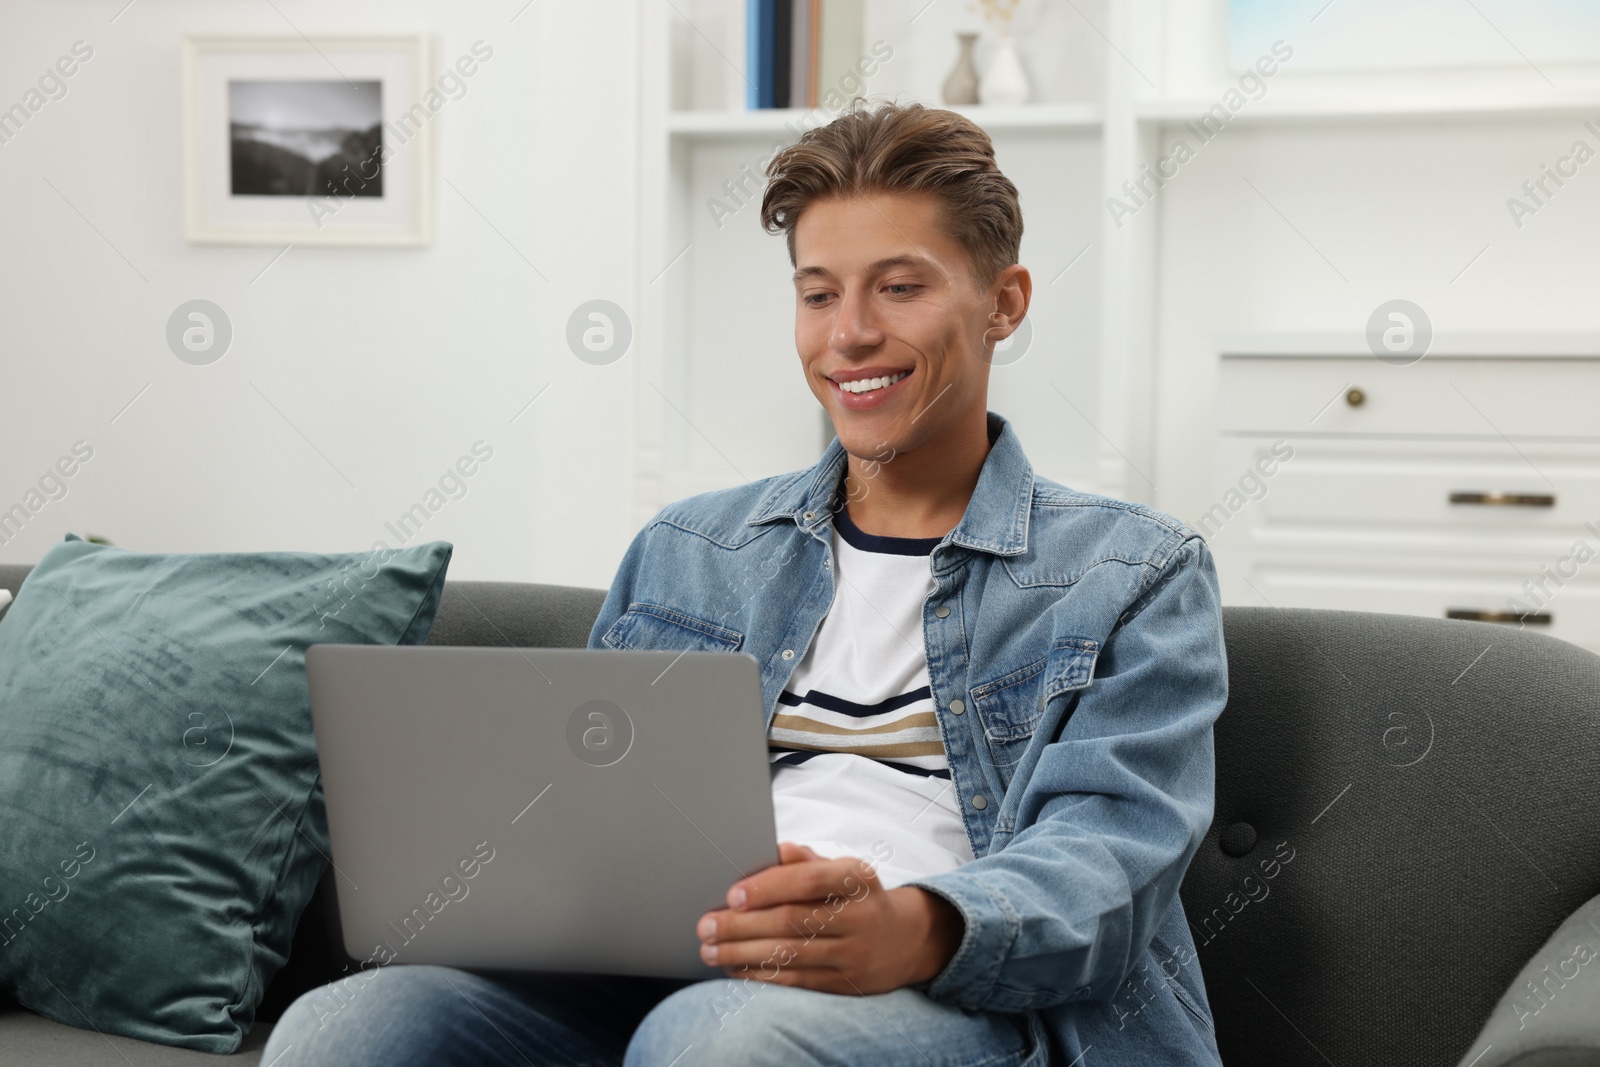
1534, 618
1506, 500
1355, 396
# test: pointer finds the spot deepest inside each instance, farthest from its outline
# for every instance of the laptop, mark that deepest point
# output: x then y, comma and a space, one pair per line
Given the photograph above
565, 810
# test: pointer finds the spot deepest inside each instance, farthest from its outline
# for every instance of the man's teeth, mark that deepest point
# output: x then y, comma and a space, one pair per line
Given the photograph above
867, 385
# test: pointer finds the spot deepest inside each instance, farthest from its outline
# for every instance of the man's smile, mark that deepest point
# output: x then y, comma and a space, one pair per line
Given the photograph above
867, 387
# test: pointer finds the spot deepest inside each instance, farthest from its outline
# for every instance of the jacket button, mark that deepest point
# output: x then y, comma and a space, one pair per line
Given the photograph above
980, 802
941, 612
957, 707
788, 653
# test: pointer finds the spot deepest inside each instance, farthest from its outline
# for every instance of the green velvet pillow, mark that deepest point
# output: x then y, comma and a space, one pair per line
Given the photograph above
161, 822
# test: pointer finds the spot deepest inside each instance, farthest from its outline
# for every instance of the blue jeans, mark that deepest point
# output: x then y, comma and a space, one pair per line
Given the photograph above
443, 1017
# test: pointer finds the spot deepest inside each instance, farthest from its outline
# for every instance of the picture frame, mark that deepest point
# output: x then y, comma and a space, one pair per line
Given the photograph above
1411, 36
320, 140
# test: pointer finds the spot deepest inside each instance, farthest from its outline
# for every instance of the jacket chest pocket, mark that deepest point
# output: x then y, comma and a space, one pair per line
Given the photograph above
1010, 707
652, 628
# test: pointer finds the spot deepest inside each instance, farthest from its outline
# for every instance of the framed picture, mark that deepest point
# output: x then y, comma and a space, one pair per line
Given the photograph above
1398, 35
307, 140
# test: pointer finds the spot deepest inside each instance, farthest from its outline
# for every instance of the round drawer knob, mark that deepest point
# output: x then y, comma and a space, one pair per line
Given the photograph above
1355, 396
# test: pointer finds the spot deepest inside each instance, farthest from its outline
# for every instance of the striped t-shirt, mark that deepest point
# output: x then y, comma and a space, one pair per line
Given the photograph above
857, 756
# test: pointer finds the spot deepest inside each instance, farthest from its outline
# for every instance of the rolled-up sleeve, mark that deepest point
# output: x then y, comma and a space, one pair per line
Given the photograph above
1111, 814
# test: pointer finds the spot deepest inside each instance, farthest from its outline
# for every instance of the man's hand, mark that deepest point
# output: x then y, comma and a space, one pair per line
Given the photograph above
828, 924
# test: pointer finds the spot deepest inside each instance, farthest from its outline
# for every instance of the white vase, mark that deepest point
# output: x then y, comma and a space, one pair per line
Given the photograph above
1004, 84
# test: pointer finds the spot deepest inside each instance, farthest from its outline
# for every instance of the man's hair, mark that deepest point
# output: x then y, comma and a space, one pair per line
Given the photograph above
902, 149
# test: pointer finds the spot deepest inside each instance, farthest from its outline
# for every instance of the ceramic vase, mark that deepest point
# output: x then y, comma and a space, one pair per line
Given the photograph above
1004, 84
962, 85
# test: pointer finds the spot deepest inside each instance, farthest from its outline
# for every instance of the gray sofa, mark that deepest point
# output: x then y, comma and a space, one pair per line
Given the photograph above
1408, 811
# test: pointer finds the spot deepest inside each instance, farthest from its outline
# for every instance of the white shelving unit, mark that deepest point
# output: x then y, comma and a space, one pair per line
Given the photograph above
1370, 104
1061, 118
1390, 488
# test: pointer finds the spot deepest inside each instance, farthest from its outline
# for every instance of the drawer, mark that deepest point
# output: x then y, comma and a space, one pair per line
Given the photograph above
1438, 395
1452, 495
1571, 609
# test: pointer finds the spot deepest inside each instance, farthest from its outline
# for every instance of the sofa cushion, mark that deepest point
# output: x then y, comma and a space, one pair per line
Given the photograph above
26, 1038
158, 774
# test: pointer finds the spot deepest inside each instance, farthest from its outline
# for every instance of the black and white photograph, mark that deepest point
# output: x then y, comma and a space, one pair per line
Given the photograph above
309, 141
305, 138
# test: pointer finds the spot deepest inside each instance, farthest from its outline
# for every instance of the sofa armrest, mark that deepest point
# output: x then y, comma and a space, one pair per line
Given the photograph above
1550, 1017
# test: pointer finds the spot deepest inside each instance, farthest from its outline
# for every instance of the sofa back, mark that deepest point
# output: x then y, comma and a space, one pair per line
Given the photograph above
1405, 810
515, 614
1435, 785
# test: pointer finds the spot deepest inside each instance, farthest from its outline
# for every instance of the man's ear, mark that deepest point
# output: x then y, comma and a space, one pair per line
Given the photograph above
1012, 292
1015, 292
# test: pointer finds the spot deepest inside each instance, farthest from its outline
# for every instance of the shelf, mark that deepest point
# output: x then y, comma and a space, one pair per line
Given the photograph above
1434, 105
793, 121
1444, 345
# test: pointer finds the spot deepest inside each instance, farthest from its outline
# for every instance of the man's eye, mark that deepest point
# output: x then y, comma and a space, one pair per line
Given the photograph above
809, 297
908, 287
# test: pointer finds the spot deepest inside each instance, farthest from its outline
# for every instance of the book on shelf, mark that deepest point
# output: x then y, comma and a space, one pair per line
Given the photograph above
794, 49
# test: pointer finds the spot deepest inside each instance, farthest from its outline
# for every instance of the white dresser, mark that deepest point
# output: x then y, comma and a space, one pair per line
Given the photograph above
1464, 485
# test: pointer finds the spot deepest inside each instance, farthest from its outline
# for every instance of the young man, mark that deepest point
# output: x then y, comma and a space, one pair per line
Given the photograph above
989, 697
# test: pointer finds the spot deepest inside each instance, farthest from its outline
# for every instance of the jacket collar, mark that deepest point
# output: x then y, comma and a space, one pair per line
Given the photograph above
996, 519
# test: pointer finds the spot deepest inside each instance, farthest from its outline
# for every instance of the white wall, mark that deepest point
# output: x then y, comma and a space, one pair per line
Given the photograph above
390, 363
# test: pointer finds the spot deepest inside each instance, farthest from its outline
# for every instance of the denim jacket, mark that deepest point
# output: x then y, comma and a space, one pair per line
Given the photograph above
1076, 661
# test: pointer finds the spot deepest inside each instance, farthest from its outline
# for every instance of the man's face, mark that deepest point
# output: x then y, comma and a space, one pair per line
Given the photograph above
881, 292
